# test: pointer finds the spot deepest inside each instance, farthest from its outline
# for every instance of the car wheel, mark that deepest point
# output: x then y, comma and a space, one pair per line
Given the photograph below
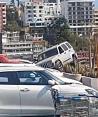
59, 65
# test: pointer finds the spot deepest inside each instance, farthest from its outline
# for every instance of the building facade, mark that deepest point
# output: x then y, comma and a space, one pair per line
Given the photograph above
96, 21
39, 13
79, 14
2, 14
27, 48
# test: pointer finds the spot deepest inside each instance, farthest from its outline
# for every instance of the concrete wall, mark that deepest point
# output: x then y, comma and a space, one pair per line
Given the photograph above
91, 82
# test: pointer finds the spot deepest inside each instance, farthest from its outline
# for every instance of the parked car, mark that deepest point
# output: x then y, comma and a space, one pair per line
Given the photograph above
29, 90
57, 56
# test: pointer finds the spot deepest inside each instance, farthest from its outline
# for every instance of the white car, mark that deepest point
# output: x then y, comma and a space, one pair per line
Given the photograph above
28, 90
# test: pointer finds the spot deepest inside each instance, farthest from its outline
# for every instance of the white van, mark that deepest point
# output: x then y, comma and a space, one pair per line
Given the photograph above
57, 56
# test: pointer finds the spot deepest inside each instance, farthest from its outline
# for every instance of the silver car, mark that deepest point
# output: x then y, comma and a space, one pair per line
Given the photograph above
27, 90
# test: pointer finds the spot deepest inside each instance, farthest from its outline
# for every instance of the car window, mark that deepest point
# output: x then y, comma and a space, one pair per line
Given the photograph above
32, 78
51, 52
60, 50
8, 78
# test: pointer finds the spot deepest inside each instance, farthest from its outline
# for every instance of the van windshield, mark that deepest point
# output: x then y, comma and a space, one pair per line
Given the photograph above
64, 47
69, 46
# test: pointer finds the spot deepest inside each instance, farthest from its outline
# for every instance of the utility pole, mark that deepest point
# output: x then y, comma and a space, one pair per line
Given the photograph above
0, 42
96, 51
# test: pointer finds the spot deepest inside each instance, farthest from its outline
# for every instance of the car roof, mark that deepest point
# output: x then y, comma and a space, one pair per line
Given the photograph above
19, 67
53, 47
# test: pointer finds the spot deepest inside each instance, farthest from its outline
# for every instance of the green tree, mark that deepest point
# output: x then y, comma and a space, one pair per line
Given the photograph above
12, 19
58, 31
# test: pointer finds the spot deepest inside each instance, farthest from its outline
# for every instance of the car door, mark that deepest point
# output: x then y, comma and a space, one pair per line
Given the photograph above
9, 94
35, 94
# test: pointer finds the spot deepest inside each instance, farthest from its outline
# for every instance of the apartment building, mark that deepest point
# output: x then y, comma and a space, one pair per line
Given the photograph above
52, 9
27, 48
39, 13
80, 15
11, 44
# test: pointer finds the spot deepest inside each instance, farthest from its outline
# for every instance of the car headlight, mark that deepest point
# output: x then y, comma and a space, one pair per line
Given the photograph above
92, 92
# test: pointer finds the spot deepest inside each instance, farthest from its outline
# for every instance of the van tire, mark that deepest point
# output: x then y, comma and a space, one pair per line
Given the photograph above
59, 66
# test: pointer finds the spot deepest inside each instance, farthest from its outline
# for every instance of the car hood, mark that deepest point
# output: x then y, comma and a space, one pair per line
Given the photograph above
72, 89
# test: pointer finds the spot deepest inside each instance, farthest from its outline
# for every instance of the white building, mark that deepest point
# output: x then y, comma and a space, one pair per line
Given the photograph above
52, 10
39, 13
79, 14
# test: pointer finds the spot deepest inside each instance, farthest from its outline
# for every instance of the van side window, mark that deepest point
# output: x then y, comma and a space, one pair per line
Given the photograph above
9, 78
64, 47
51, 52
60, 50
32, 78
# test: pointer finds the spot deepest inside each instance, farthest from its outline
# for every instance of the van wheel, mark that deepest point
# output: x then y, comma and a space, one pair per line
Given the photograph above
59, 65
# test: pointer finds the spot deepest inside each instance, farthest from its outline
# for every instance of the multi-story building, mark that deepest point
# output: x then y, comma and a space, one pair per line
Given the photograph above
27, 48
12, 45
1, 20
79, 14
96, 20
38, 13
2, 14
52, 10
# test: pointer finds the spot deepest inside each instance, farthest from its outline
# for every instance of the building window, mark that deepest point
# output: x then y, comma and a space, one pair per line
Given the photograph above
40, 7
29, 11
69, 9
29, 16
72, 3
3, 9
70, 21
28, 7
3, 5
34, 7
40, 15
40, 11
3, 21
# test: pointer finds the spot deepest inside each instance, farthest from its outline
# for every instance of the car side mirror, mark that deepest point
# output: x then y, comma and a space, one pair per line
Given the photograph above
51, 82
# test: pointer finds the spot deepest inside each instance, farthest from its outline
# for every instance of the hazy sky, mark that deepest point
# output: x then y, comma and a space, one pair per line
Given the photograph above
96, 2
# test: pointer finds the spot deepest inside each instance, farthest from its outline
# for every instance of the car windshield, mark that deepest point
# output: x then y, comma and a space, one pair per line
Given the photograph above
51, 77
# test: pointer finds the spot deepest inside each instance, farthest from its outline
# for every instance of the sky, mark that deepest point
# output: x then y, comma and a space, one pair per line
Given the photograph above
96, 2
